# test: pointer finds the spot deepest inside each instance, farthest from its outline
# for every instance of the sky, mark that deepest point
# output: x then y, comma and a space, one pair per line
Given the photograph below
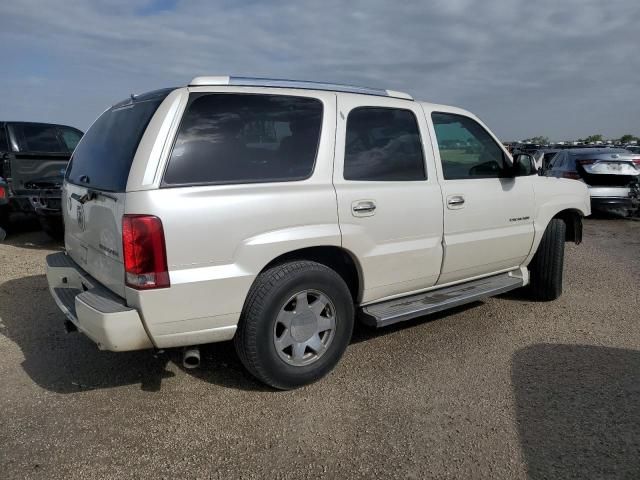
559, 68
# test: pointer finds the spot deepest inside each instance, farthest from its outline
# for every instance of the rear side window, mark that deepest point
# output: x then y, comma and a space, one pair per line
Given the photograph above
103, 158
383, 144
245, 138
34, 137
466, 149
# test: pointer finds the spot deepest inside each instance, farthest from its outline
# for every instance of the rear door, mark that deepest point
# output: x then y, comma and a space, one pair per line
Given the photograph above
94, 190
389, 202
488, 219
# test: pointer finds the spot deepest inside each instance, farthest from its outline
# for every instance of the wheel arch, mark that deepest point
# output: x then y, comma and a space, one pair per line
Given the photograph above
572, 217
339, 259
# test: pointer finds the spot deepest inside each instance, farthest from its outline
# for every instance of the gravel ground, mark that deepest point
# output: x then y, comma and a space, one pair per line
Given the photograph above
499, 389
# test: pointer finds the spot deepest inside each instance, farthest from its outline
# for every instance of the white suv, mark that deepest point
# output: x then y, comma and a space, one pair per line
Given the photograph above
275, 212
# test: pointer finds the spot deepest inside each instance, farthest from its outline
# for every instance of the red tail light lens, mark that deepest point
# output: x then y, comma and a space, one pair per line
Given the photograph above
585, 162
636, 162
145, 256
571, 175
3, 193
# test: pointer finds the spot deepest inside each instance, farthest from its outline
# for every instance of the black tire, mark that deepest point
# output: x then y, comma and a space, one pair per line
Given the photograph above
547, 264
254, 339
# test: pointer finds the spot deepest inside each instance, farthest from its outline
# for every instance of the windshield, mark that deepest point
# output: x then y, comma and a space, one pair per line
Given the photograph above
103, 157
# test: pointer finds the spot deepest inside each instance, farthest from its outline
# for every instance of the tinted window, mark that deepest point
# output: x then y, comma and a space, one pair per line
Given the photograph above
466, 149
103, 158
556, 160
243, 138
70, 137
34, 137
4, 144
383, 144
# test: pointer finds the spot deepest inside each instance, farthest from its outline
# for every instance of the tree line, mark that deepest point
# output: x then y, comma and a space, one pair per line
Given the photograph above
624, 139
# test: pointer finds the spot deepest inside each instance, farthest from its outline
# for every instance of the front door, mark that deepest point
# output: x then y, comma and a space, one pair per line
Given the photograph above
389, 201
488, 218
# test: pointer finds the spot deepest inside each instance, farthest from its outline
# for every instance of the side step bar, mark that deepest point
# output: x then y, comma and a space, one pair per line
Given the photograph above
402, 309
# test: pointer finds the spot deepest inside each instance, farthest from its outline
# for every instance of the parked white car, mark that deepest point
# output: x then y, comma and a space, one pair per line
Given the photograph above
275, 212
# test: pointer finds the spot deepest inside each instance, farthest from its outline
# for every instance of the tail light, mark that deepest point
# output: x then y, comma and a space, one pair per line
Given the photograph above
585, 162
571, 175
636, 162
3, 193
145, 255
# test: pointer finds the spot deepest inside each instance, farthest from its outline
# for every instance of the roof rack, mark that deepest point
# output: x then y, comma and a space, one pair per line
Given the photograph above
303, 84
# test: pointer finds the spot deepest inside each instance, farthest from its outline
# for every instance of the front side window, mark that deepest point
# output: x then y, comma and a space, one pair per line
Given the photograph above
245, 138
383, 144
466, 149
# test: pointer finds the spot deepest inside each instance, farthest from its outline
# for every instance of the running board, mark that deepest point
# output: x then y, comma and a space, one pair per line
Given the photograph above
402, 309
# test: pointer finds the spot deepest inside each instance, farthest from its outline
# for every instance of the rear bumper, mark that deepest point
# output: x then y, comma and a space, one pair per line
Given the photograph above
44, 202
604, 198
93, 309
603, 203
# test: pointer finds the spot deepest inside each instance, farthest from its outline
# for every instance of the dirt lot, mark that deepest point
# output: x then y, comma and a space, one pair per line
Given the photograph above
500, 389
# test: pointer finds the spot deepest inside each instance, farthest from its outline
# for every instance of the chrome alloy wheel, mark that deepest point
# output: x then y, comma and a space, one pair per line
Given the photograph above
304, 328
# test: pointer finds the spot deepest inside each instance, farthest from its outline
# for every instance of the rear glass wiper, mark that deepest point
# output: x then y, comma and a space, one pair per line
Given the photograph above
92, 195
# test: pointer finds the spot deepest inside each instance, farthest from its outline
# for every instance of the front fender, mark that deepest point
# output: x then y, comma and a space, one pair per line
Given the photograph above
554, 196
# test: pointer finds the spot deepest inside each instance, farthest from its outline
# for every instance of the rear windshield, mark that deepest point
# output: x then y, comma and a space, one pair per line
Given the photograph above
45, 138
245, 138
103, 158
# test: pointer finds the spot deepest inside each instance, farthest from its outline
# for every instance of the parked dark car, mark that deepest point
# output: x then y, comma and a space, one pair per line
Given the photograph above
33, 159
610, 174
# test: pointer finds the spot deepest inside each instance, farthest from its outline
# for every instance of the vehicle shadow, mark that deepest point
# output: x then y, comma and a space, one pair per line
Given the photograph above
26, 233
578, 410
68, 363
362, 332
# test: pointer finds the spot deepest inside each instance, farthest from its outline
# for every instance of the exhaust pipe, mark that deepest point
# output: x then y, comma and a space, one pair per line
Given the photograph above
191, 358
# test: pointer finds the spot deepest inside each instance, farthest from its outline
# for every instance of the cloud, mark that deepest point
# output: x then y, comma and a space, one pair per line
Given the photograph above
561, 69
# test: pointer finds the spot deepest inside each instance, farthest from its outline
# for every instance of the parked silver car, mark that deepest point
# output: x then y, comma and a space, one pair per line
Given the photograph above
608, 172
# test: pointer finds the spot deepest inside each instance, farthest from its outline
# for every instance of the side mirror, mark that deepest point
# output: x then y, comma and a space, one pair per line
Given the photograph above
524, 165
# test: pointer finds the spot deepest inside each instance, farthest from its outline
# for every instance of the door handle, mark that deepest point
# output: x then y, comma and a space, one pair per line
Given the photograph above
363, 208
455, 201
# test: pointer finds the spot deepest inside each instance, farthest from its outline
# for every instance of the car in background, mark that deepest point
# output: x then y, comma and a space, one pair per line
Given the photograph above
528, 148
633, 148
33, 159
610, 174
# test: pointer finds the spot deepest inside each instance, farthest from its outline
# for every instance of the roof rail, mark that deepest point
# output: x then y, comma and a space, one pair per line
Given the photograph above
303, 84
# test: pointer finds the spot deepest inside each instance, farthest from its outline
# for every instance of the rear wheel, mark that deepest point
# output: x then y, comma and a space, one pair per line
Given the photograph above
296, 324
547, 265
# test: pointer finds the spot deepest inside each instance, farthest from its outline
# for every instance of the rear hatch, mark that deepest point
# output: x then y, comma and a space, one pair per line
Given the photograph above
608, 169
40, 157
95, 185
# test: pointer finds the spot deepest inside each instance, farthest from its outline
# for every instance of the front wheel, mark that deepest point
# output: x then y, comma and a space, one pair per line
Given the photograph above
547, 264
296, 324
